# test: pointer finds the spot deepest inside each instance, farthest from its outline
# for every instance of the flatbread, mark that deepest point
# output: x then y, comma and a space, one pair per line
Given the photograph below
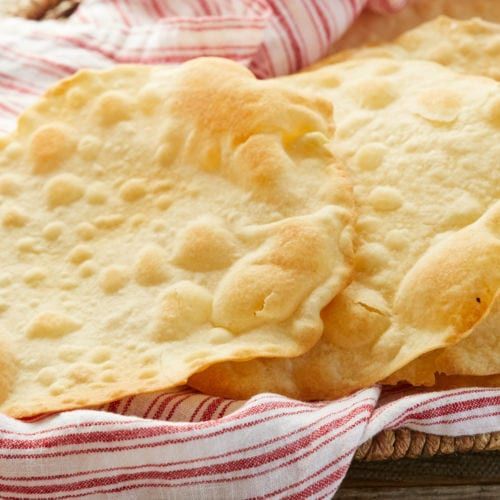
422, 144
476, 355
471, 46
374, 28
154, 221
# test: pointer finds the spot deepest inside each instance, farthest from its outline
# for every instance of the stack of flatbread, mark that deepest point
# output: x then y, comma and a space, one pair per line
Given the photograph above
310, 235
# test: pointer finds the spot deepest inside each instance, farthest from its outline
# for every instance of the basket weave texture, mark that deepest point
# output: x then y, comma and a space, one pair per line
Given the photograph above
406, 443
38, 9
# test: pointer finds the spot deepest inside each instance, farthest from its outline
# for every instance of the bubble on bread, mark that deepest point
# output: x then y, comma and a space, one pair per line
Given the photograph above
13, 217
205, 245
437, 105
9, 185
50, 146
113, 278
63, 189
51, 324
182, 308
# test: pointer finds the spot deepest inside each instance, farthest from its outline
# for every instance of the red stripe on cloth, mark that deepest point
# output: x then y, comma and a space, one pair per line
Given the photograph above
165, 57
360, 5
97, 423
279, 466
224, 467
455, 407
198, 408
166, 50
155, 400
220, 468
211, 409
208, 458
157, 8
29, 86
167, 398
224, 408
205, 7
139, 433
122, 12
312, 476
112, 407
174, 407
93, 42
8, 108
127, 404
318, 29
151, 475
379, 411
351, 7
154, 444
442, 395
280, 16
295, 25
466, 418
269, 59
259, 405
335, 24
203, 24
214, 23
362, 404
17, 88
278, 32
47, 66
335, 477
324, 22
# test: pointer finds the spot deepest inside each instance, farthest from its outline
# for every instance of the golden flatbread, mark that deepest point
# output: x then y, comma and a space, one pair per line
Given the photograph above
154, 221
422, 144
372, 28
471, 46
476, 355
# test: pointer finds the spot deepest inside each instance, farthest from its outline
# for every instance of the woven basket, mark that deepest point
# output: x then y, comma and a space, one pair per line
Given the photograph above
38, 9
405, 443
388, 444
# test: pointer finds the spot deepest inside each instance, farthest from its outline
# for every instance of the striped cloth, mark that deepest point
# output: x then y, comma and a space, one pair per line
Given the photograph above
184, 444
272, 37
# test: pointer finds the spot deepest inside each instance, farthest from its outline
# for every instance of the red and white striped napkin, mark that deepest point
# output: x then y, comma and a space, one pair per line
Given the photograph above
183, 444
